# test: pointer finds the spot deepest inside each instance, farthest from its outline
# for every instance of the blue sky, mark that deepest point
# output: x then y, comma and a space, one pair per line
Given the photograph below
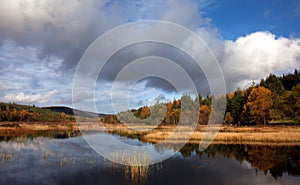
235, 18
42, 42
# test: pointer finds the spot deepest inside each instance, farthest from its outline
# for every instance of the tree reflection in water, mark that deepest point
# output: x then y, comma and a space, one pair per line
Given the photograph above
275, 160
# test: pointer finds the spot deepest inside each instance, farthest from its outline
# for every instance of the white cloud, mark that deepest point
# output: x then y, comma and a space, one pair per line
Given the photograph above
48, 37
22, 71
256, 55
186, 14
30, 98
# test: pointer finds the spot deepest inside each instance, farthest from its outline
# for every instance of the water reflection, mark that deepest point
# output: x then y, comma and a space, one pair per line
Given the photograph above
275, 160
72, 161
30, 134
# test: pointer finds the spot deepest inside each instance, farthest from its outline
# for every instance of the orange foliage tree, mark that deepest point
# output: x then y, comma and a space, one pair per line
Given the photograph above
258, 104
145, 112
204, 113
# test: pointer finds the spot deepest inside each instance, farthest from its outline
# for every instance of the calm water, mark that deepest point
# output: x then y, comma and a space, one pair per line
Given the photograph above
45, 161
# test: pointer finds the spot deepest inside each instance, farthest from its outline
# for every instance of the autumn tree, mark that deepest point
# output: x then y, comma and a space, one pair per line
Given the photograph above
24, 114
259, 102
175, 116
228, 119
145, 113
110, 119
204, 114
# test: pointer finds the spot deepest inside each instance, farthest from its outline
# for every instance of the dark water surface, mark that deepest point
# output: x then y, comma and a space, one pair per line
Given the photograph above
45, 161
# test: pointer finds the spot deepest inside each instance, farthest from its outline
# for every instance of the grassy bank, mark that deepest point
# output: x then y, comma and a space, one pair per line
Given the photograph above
224, 134
39, 126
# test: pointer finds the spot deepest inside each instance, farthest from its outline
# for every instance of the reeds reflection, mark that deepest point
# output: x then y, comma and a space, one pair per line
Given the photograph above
133, 173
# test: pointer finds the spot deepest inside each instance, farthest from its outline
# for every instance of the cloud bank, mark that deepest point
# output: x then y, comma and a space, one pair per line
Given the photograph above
31, 98
41, 43
254, 56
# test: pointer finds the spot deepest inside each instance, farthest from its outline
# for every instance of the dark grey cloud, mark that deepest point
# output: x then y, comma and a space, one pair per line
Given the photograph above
126, 55
60, 28
66, 28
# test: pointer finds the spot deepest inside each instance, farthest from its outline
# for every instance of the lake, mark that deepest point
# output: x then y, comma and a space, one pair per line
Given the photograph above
62, 161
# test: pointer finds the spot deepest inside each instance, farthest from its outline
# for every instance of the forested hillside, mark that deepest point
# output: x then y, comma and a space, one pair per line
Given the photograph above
26, 113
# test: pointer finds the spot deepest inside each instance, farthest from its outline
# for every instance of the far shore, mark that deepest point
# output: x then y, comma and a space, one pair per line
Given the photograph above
273, 135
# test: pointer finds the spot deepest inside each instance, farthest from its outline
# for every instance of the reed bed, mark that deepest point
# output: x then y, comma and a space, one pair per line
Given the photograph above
149, 133
264, 134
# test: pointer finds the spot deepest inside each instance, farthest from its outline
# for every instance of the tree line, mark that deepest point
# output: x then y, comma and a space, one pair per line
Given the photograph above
26, 113
275, 100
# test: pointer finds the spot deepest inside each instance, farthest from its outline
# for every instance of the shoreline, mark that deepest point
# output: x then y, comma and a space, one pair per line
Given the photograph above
274, 135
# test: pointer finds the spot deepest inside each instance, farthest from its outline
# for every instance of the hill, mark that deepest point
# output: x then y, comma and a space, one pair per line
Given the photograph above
70, 111
28, 113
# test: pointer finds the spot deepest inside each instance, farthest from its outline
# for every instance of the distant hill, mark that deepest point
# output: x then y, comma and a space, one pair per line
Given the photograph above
31, 113
70, 111
60, 109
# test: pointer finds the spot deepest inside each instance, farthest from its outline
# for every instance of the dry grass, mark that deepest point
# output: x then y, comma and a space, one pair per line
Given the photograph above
224, 134
36, 126
137, 164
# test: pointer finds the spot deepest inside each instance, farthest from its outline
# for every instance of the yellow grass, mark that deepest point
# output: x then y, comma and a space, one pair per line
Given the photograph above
37, 126
224, 134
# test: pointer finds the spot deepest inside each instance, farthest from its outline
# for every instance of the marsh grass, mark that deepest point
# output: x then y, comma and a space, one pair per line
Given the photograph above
147, 133
224, 134
136, 170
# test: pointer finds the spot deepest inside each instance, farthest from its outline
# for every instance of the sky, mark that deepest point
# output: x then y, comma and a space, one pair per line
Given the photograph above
42, 42
236, 18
